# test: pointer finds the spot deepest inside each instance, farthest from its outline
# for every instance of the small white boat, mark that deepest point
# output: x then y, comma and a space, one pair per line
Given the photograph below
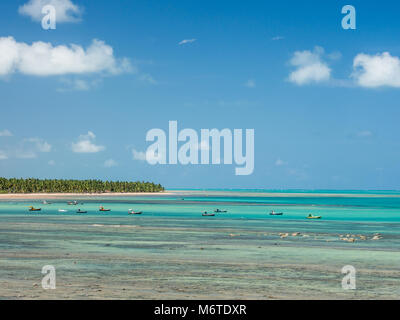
131, 211
273, 213
62, 210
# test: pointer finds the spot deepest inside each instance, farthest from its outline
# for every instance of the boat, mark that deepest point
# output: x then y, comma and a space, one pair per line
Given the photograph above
62, 210
273, 213
45, 202
220, 211
34, 209
104, 210
72, 203
206, 214
310, 216
131, 211
80, 211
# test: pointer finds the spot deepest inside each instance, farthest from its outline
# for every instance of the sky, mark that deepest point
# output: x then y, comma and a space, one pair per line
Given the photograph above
77, 101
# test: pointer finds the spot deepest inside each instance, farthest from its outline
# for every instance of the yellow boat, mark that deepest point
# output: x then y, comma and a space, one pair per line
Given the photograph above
34, 209
310, 216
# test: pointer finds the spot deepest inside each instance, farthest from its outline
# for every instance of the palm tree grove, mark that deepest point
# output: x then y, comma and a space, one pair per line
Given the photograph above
32, 185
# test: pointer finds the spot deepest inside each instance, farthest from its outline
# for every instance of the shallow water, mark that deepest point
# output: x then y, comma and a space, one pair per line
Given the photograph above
172, 252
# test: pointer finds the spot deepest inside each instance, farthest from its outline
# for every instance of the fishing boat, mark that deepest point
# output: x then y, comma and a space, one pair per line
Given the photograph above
310, 216
80, 211
34, 209
220, 211
273, 213
104, 210
206, 214
131, 211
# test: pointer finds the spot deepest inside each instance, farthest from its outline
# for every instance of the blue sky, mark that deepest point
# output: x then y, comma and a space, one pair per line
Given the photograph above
283, 68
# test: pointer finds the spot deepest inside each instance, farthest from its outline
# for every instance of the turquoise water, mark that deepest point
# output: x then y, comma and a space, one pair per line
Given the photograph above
174, 252
303, 191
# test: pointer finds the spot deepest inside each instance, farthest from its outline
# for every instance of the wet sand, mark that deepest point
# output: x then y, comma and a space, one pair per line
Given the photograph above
121, 261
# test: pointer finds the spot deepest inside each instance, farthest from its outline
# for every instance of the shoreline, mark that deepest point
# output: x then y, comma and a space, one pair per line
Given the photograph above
190, 193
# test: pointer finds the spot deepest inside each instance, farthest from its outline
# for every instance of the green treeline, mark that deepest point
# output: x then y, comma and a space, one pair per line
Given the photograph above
74, 186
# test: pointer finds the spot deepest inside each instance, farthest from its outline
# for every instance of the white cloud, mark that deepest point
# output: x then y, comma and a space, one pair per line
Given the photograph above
145, 77
51, 163
138, 155
44, 59
309, 67
145, 156
3, 155
185, 41
277, 38
372, 71
85, 144
335, 55
5, 133
280, 162
78, 84
39, 144
250, 83
66, 10
26, 149
110, 163
30, 147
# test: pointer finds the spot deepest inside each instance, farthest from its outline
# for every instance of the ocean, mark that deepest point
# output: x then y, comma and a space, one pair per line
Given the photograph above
172, 252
